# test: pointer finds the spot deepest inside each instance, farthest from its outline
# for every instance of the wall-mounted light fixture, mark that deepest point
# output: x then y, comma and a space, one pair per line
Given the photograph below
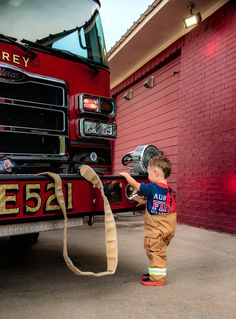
149, 83
128, 95
193, 19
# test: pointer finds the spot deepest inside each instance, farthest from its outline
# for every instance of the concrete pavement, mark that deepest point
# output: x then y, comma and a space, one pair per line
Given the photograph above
201, 277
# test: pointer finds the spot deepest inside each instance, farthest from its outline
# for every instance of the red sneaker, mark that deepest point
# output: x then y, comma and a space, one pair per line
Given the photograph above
144, 276
149, 282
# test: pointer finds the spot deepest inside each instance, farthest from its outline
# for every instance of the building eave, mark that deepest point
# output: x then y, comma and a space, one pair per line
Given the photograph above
156, 29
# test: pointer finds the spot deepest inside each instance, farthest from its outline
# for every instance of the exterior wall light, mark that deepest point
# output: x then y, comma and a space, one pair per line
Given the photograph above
128, 95
193, 19
149, 83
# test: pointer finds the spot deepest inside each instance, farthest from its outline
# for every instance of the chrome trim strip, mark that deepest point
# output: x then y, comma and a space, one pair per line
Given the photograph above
40, 77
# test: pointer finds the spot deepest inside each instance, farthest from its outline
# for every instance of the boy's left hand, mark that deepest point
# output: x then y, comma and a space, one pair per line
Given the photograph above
140, 200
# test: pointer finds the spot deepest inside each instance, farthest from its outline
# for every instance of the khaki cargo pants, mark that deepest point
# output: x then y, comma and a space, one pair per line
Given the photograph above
158, 232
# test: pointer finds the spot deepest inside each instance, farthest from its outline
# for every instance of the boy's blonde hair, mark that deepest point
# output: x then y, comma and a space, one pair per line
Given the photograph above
162, 162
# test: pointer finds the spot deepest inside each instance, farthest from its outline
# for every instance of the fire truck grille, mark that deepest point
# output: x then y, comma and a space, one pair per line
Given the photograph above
25, 117
33, 116
24, 144
38, 91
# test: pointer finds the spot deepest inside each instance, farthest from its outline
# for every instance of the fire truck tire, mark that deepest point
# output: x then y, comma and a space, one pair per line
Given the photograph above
25, 239
90, 221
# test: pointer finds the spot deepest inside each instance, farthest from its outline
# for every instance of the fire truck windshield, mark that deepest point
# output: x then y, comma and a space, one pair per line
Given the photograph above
72, 26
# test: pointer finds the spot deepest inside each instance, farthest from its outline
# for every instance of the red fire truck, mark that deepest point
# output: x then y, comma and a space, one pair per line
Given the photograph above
56, 115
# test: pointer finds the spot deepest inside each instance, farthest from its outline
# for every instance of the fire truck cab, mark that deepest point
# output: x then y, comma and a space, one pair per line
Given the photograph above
56, 115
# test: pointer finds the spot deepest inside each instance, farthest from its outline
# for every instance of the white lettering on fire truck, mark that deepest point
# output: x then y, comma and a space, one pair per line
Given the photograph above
32, 201
14, 58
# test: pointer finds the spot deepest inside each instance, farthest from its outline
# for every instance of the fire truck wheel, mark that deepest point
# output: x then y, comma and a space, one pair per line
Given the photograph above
90, 220
25, 239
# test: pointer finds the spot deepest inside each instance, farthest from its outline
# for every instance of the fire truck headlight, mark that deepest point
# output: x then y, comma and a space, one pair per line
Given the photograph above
138, 159
91, 104
108, 129
97, 104
89, 128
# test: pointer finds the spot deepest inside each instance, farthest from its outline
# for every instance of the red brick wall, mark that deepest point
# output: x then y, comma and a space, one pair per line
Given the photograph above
206, 172
206, 191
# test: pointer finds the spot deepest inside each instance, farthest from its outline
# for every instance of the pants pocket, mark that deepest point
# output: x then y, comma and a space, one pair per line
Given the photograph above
153, 244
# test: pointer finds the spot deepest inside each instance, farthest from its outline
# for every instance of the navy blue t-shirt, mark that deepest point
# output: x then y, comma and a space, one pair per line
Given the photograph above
160, 198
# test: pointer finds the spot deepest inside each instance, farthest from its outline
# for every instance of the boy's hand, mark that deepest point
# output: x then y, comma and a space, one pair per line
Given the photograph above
124, 174
130, 180
140, 200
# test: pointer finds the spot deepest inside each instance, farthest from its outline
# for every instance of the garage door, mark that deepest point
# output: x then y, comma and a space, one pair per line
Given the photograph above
151, 116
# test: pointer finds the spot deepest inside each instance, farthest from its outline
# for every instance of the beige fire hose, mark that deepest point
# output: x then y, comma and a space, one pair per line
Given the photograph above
110, 227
